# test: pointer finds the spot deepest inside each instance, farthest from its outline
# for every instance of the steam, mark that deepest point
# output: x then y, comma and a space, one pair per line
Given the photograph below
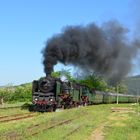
104, 49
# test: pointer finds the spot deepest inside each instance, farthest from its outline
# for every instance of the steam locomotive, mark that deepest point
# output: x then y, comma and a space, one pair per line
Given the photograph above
49, 93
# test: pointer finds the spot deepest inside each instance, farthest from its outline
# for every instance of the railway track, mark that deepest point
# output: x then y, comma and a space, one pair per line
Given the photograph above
37, 129
11, 107
37, 126
15, 117
53, 126
15, 136
71, 132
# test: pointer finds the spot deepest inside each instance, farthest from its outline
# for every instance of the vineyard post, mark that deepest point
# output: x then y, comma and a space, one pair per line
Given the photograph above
117, 94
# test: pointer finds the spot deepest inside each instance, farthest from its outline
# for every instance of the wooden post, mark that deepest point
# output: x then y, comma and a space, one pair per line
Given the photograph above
117, 95
138, 100
1, 101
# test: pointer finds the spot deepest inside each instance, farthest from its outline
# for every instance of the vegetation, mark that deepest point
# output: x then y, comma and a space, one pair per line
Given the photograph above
123, 126
20, 93
94, 81
133, 85
65, 73
83, 125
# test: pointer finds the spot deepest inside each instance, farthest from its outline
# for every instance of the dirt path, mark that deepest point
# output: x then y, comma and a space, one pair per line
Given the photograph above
98, 133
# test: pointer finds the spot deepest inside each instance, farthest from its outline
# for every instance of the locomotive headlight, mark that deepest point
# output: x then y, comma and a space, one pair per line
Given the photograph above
51, 99
36, 99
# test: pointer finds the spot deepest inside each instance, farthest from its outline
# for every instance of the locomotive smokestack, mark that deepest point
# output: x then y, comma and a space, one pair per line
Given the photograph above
49, 69
102, 49
47, 74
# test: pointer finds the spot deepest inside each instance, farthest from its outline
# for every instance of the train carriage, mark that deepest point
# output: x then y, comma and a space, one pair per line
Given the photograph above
98, 97
133, 99
109, 98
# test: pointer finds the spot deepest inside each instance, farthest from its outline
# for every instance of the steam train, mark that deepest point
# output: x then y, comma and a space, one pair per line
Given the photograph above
49, 93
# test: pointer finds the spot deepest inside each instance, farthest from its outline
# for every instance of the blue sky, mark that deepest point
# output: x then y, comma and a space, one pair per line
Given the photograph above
25, 26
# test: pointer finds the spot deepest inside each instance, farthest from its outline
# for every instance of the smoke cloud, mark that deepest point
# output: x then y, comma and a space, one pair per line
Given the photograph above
103, 49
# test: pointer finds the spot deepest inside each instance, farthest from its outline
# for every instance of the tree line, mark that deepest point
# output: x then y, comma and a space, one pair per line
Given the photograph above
12, 94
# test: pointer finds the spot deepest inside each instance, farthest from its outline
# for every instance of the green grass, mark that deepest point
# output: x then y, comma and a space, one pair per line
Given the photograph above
126, 127
12, 104
89, 119
85, 121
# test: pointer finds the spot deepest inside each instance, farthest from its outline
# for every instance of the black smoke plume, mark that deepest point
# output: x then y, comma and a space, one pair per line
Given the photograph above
104, 49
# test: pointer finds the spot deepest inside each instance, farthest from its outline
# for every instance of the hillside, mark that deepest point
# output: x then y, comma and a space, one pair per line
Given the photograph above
133, 84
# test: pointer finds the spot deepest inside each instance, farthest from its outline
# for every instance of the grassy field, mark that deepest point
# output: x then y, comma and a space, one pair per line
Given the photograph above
107, 122
123, 125
18, 104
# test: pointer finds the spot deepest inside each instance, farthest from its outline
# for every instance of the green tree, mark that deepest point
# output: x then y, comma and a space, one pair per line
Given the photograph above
56, 74
20, 93
121, 88
63, 72
94, 81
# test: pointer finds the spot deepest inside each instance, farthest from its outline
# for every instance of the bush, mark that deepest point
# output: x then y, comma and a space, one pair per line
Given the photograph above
20, 93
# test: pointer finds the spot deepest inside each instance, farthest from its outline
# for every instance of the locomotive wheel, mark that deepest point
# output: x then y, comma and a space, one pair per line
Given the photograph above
50, 109
33, 108
67, 106
54, 108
